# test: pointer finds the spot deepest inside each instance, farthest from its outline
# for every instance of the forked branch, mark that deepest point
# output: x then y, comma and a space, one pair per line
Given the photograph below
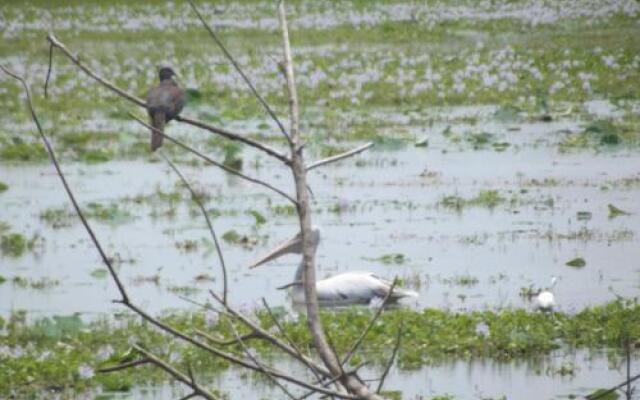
213, 162
235, 64
138, 101
339, 157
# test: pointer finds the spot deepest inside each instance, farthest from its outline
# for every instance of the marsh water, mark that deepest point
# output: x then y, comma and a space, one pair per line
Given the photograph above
386, 202
505, 153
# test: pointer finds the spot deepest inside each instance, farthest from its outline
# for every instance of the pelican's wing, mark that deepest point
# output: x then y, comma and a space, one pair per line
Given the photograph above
357, 286
351, 287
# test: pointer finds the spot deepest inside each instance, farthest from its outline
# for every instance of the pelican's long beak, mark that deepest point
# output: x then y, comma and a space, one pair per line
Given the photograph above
293, 245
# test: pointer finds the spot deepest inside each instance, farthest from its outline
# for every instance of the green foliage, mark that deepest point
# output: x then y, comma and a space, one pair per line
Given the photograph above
13, 244
615, 211
23, 151
484, 198
577, 262
392, 258
430, 336
3, 187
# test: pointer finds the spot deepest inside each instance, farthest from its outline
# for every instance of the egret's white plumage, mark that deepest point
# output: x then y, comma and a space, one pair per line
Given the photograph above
545, 300
346, 288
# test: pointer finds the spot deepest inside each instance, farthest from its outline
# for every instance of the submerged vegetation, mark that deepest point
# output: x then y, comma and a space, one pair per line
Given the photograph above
64, 353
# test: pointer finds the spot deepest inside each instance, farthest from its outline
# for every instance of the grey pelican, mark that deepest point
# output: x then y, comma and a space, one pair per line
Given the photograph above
354, 287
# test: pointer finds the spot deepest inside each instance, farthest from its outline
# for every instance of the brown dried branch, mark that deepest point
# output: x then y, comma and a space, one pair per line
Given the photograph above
213, 162
353, 372
125, 299
52, 156
196, 199
339, 157
138, 101
393, 357
373, 320
122, 366
176, 374
228, 342
234, 136
604, 393
247, 352
273, 340
228, 356
235, 64
46, 82
329, 358
285, 335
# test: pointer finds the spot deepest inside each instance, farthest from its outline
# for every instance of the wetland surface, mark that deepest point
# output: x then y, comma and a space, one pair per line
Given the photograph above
507, 151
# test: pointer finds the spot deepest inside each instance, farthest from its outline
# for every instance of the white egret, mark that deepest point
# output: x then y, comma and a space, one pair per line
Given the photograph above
545, 300
355, 287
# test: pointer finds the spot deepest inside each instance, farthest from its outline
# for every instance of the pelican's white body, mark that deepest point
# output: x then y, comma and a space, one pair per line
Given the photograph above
352, 288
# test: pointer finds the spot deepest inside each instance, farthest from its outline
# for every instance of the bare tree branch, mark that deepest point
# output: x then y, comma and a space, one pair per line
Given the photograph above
138, 101
176, 374
339, 157
46, 82
235, 64
109, 85
329, 358
393, 357
333, 380
604, 393
122, 366
373, 320
283, 346
196, 199
213, 162
284, 334
258, 364
228, 356
234, 136
52, 156
189, 396
229, 342
125, 299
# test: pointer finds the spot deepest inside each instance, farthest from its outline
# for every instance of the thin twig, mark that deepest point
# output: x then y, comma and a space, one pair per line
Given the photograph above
285, 335
189, 396
339, 157
239, 70
613, 389
247, 352
125, 299
46, 82
196, 199
138, 101
52, 156
122, 366
283, 346
229, 342
212, 162
373, 320
109, 85
333, 380
175, 373
393, 357
235, 136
